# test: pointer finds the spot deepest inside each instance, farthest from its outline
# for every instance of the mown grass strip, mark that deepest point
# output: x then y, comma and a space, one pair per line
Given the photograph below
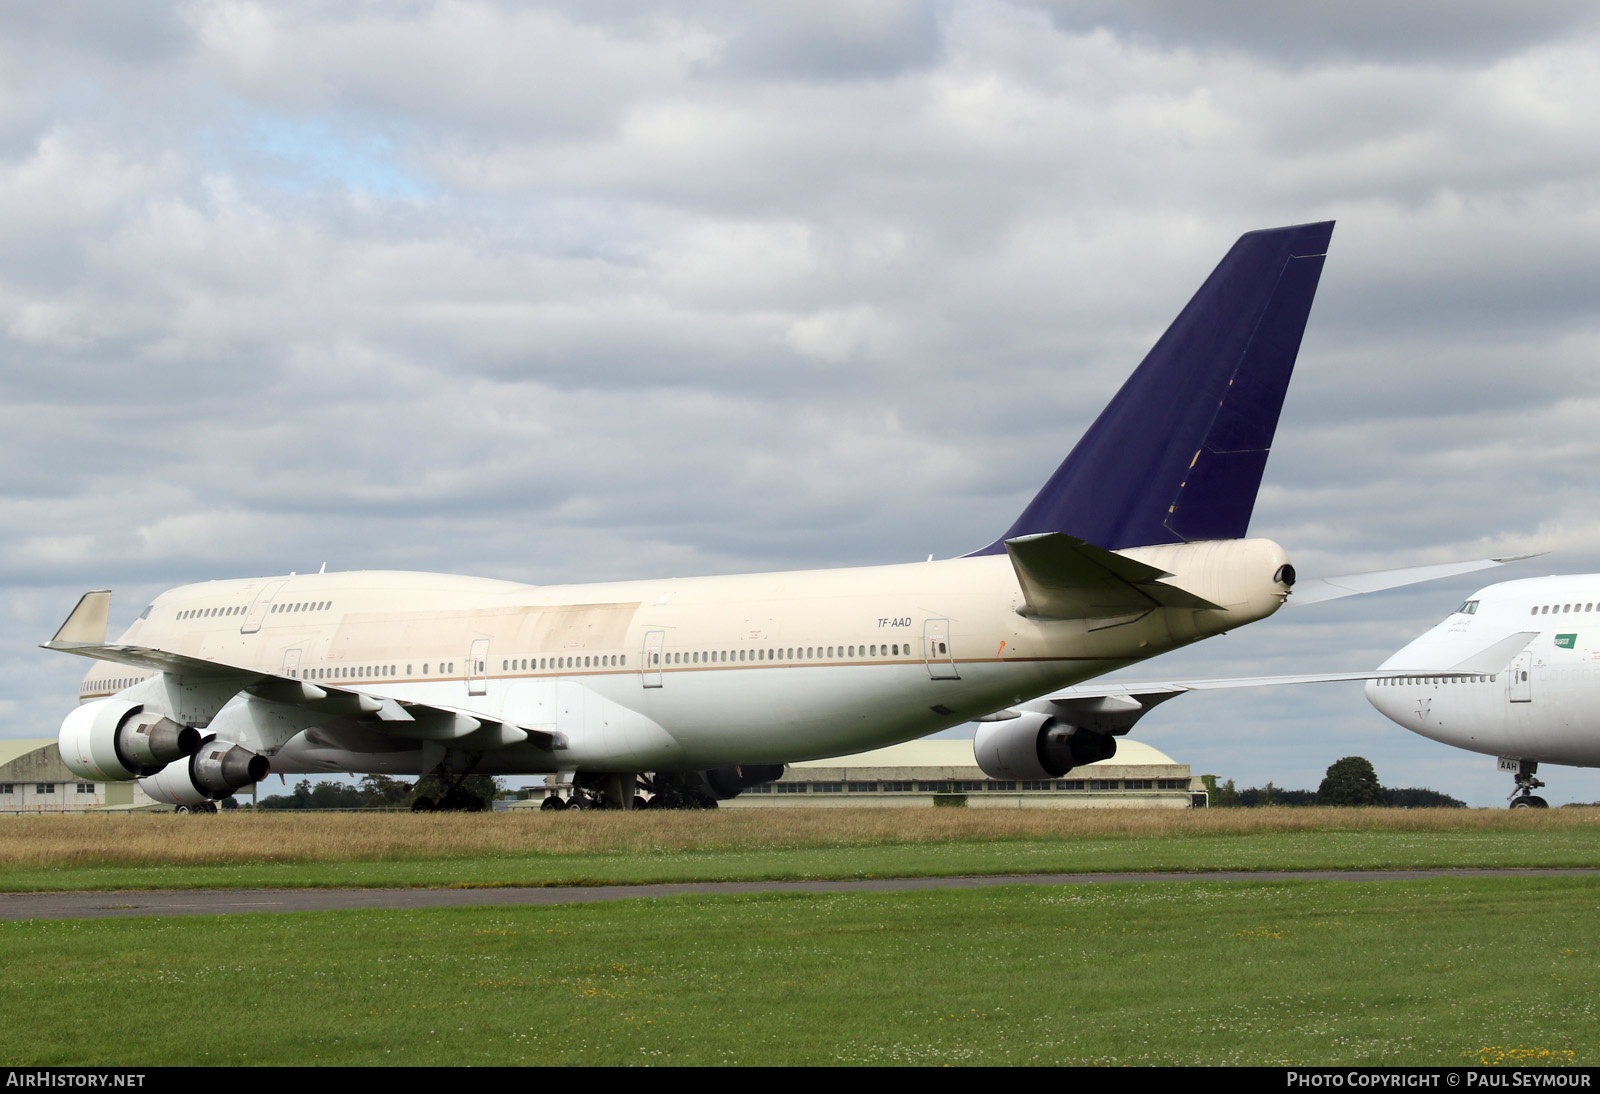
351, 850
1441, 972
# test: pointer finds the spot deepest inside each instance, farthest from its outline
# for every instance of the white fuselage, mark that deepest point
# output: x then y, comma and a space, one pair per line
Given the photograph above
667, 674
1544, 705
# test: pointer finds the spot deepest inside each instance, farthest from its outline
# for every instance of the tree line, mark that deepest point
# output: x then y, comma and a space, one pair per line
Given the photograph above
375, 792
1350, 781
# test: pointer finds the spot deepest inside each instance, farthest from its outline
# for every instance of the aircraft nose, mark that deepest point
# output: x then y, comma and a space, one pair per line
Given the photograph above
1384, 696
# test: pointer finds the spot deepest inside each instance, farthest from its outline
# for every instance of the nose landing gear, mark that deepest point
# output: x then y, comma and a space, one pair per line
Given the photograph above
1523, 796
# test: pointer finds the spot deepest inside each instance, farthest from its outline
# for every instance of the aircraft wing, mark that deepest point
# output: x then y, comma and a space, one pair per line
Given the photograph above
395, 717
1178, 687
1314, 590
1114, 706
146, 657
1051, 735
1059, 573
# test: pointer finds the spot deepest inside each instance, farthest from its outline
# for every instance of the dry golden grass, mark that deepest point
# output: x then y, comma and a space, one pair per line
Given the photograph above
232, 838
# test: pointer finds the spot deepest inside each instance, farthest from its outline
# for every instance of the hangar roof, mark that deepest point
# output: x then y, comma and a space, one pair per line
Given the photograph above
20, 747
932, 752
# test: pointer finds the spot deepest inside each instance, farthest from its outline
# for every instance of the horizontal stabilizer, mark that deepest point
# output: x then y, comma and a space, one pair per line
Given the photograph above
1062, 577
1314, 590
1497, 657
87, 623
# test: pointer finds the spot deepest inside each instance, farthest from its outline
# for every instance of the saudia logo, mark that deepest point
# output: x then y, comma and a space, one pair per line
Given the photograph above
1566, 641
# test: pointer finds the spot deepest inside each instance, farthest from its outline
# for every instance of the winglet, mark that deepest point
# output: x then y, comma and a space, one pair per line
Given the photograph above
86, 626
1178, 453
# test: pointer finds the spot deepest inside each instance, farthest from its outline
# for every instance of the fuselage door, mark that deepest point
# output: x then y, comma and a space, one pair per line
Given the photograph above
258, 611
478, 667
291, 663
936, 650
650, 662
1519, 682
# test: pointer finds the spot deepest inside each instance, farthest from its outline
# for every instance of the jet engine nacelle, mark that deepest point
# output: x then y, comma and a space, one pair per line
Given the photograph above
114, 740
212, 773
1037, 746
731, 781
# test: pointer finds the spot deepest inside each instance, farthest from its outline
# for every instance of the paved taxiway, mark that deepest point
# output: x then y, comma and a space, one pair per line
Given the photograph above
104, 905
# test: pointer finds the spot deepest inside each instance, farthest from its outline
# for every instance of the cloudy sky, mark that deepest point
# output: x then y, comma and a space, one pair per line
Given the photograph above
586, 291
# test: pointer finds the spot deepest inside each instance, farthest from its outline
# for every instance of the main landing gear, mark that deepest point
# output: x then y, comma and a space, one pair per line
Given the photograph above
628, 790
579, 799
598, 791
455, 801
1523, 796
454, 797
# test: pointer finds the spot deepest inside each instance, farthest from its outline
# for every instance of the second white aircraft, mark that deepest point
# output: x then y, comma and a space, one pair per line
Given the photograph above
1534, 693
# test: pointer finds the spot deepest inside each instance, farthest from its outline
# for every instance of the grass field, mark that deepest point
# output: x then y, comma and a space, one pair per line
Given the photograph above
1443, 972
351, 849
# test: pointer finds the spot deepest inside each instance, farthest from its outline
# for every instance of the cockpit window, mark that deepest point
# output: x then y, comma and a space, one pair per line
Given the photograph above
1468, 608
146, 613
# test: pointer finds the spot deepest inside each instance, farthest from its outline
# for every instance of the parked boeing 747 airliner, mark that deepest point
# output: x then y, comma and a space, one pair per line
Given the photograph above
685, 690
1537, 700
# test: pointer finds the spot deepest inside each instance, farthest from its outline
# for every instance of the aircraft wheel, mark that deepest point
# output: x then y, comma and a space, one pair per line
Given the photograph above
182, 810
552, 804
641, 802
1529, 801
423, 805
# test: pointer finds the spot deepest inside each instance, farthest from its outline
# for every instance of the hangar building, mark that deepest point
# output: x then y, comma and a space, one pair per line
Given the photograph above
930, 772
34, 780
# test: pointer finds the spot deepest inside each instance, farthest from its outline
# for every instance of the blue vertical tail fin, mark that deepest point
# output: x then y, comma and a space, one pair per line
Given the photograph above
1178, 454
